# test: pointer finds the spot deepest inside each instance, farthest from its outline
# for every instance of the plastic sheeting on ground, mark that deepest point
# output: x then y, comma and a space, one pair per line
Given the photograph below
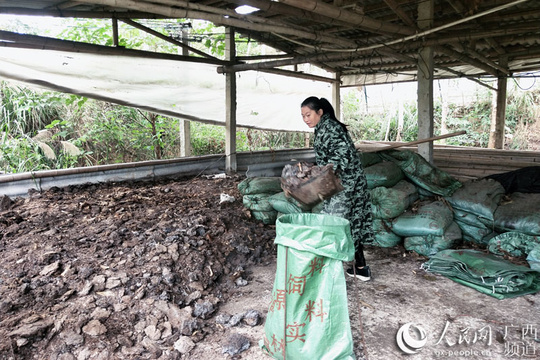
308, 316
513, 244
487, 273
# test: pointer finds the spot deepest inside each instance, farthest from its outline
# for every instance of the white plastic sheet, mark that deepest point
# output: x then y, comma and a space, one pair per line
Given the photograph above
186, 90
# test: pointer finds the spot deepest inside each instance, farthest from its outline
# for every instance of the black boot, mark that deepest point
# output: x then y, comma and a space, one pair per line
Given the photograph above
359, 270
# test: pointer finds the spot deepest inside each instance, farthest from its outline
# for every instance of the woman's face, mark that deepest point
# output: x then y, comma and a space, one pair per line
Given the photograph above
311, 117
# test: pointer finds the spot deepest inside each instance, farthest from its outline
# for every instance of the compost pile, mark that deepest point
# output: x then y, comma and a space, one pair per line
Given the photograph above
128, 270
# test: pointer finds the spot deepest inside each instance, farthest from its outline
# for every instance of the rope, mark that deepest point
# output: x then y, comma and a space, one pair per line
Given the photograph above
285, 306
361, 325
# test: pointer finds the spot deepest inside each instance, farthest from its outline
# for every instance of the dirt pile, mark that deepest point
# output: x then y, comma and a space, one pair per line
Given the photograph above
125, 271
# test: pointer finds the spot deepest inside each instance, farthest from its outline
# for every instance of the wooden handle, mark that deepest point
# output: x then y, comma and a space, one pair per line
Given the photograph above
393, 146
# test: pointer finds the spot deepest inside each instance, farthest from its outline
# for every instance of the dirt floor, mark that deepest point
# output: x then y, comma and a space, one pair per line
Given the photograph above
168, 271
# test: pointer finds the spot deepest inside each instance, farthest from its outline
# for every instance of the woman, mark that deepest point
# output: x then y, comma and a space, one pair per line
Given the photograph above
333, 144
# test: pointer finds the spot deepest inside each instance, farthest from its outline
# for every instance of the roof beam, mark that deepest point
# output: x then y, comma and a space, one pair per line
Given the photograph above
360, 21
221, 20
477, 55
462, 57
278, 8
167, 38
47, 43
80, 14
400, 13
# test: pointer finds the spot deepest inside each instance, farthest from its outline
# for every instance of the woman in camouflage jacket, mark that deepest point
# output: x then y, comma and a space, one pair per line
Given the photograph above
333, 144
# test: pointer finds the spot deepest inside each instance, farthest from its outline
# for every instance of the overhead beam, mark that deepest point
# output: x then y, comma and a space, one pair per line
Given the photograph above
42, 42
392, 4
279, 9
167, 38
478, 56
221, 20
460, 56
80, 14
359, 21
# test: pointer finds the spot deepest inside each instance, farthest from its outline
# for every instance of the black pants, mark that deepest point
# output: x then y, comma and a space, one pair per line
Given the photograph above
359, 255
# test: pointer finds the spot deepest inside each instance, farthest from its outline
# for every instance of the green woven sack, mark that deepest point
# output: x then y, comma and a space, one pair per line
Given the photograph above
521, 214
430, 245
384, 237
257, 202
422, 173
430, 219
260, 185
308, 316
285, 205
478, 197
478, 234
266, 217
534, 258
388, 203
385, 174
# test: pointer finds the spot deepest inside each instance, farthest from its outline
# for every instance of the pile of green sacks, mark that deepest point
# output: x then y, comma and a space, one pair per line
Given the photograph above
255, 193
403, 186
266, 200
423, 208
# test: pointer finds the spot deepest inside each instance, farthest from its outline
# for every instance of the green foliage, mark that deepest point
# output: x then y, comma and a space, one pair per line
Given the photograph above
207, 139
107, 133
24, 110
377, 126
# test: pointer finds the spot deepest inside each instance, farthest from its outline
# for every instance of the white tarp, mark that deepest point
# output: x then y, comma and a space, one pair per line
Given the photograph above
186, 90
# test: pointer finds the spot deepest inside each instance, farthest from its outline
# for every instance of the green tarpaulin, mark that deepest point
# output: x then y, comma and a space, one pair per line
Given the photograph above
487, 273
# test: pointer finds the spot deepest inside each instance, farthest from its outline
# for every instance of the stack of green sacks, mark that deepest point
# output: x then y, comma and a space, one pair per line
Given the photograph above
411, 177
284, 204
487, 273
474, 206
428, 229
266, 200
423, 174
255, 193
388, 203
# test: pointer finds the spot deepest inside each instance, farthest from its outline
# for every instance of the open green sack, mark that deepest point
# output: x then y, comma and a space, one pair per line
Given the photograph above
487, 273
308, 317
421, 172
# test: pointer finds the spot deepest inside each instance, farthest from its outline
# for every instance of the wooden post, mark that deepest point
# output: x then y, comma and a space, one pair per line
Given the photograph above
425, 84
498, 111
336, 96
185, 125
230, 104
115, 31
